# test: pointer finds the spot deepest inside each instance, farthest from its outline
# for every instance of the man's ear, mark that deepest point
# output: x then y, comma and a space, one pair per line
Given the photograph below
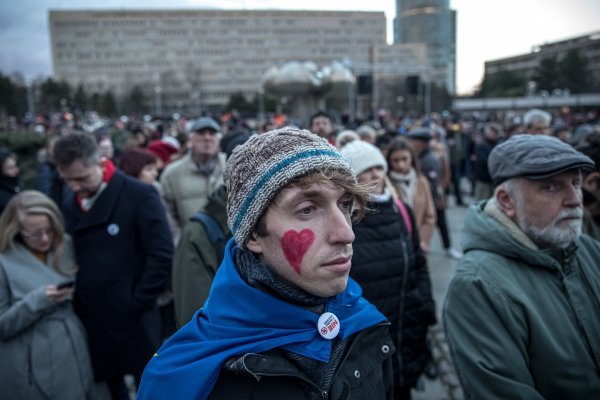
102, 164
507, 203
254, 244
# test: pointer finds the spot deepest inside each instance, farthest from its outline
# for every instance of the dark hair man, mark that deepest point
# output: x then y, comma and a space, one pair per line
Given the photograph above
123, 248
320, 124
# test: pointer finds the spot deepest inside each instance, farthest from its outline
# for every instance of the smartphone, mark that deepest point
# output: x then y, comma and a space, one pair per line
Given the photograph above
66, 284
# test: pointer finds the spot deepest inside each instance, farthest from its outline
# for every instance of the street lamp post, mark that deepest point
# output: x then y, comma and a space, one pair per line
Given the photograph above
157, 100
427, 98
261, 106
194, 108
351, 101
30, 100
346, 62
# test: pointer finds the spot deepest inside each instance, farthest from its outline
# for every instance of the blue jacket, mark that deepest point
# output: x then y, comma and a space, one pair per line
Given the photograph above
238, 319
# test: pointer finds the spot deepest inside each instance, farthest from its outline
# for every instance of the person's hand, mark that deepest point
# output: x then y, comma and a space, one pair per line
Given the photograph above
59, 295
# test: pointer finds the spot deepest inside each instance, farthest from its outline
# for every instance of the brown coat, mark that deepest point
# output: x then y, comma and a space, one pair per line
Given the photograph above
424, 211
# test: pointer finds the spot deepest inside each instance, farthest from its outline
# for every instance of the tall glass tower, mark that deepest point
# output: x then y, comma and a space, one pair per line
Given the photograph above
433, 23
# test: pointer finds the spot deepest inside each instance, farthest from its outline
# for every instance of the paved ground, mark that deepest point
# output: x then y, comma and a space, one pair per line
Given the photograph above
441, 268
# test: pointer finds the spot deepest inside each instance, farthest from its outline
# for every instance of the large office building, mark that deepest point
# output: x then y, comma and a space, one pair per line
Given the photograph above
394, 62
432, 23
526, 65
192, 59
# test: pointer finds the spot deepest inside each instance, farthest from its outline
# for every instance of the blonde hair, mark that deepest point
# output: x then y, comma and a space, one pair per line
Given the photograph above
31, 202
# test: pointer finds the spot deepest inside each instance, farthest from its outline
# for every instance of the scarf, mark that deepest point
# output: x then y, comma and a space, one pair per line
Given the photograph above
85, 203
208, 167
238, 319
405, 184
258, 275
261, 277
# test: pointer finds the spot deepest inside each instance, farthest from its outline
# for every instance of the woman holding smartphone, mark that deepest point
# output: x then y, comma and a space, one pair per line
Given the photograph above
42, 342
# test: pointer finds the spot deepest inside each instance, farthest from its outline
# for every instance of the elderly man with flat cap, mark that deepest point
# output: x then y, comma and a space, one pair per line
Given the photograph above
188, 182
522, 314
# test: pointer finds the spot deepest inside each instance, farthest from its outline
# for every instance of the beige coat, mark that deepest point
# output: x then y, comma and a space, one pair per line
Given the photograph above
423, 210
185, 190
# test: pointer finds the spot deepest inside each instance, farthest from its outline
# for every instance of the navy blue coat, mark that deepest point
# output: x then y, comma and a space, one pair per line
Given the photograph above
124, 249
482, 153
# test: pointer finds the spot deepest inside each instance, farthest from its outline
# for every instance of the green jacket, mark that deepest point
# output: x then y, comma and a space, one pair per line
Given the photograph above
196, 262
523, 323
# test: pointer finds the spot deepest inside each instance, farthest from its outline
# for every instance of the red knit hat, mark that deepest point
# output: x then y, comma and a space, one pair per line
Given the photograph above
162, 150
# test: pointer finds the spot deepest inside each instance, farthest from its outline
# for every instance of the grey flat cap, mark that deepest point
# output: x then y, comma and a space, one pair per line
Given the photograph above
534, 157
204, 123
420, 134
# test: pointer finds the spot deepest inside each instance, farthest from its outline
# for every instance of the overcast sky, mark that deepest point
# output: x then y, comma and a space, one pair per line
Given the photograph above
487, 29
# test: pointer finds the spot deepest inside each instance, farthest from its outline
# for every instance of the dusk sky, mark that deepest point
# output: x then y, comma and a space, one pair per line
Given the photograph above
487, 30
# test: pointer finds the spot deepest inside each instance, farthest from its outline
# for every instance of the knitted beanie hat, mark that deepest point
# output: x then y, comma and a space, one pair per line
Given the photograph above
265, 164
363, 156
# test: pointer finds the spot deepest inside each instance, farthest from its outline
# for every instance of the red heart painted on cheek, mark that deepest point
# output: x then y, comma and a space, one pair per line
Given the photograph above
295, 244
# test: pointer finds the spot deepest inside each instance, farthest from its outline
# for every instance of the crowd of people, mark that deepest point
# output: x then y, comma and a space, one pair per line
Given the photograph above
217, 258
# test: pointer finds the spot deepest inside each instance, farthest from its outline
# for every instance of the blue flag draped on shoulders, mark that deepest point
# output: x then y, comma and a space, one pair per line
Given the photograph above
238, 319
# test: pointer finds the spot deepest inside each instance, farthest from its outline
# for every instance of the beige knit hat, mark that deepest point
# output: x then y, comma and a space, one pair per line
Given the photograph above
265, 164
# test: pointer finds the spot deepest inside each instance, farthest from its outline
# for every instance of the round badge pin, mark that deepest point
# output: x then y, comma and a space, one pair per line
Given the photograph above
113, 229
328, 325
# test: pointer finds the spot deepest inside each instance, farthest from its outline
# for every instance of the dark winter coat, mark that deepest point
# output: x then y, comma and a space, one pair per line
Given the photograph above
480, 166
365, 373
392, 270
431, 168
48, 181
124, 248
8, 188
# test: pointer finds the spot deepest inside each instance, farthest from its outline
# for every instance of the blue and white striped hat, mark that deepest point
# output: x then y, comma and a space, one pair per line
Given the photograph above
265, 164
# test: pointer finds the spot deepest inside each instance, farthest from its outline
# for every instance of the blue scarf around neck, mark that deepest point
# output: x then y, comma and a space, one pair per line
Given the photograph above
238, 319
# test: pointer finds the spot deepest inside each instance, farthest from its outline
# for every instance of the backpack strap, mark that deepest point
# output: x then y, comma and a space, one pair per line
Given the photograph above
405, 215
213, 229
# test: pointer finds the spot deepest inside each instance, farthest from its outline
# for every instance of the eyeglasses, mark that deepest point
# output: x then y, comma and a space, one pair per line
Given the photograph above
38, 234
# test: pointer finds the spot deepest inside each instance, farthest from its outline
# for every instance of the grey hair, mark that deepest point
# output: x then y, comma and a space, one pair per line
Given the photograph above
535, 115
510, 186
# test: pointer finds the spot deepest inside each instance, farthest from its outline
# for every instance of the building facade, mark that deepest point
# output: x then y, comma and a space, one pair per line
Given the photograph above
394, 65
188, 60
526, 65
432, 23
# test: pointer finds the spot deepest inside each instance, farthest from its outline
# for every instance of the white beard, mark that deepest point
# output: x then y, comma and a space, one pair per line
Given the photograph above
552, 236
